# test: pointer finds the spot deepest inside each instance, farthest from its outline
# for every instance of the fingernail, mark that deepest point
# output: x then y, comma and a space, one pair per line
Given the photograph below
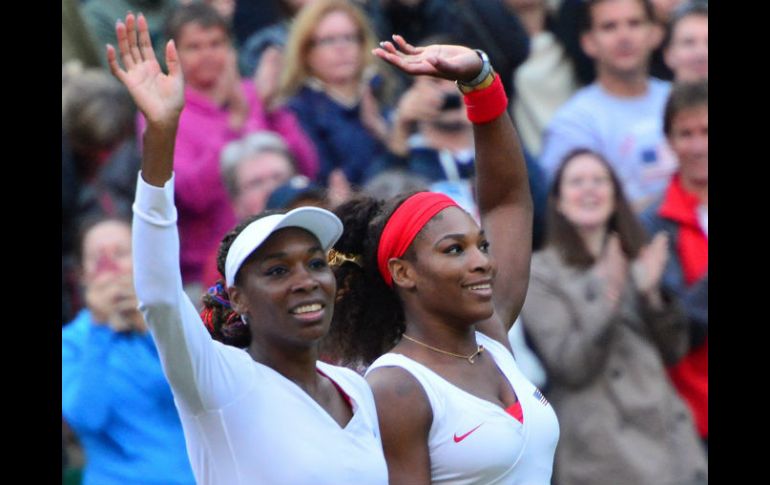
382, 43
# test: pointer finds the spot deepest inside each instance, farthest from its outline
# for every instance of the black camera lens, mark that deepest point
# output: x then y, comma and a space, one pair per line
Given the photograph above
451, 101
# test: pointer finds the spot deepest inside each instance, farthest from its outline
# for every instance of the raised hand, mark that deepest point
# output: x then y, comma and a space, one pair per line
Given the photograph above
451, 62
647, 269
159, 96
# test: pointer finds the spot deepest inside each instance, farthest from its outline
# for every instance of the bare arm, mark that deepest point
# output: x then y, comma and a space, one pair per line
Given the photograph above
404, 434
503, 193
506, 208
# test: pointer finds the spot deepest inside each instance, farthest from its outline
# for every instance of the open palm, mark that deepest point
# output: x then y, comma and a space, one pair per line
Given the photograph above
453, 62
159, 96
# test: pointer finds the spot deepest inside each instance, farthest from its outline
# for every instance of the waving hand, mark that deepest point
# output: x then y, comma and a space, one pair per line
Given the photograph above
453, 62
160, 97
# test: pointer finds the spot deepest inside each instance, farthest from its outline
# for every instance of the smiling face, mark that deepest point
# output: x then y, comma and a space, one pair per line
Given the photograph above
586, 192
335, 55
453, 270
287, 290
621, 37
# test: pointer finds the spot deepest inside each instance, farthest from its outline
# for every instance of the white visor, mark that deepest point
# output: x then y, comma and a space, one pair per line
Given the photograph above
320, 222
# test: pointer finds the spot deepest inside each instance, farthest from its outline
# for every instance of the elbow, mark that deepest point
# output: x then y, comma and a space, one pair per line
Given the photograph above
158, 310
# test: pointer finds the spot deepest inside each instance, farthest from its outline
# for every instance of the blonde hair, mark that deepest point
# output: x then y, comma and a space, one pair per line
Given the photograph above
300, 41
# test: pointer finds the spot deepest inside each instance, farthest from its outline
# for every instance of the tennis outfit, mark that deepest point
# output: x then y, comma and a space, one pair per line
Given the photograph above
244, 423
473, 441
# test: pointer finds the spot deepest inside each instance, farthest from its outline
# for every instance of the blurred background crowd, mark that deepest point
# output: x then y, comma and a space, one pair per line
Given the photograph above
285, 106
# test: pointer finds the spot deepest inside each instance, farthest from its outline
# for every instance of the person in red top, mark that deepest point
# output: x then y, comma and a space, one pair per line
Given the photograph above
683, 213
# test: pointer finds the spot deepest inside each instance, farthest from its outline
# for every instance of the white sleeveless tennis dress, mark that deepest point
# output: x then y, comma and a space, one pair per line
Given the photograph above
473, 441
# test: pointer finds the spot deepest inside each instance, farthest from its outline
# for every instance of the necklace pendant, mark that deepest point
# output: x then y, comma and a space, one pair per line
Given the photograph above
472, 357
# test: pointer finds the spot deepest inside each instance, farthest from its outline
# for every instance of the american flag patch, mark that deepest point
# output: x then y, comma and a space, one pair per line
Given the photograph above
539, 396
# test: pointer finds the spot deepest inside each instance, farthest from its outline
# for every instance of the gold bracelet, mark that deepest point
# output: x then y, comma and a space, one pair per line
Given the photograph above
482, 85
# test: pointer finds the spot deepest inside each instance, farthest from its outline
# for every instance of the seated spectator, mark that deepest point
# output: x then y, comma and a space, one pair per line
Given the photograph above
331, 84
686, 47
604, 330
114, 394
682, 213
219, 108
619, 115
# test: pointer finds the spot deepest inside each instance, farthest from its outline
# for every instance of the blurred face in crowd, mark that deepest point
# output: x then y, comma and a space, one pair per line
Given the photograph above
106, 247
203, 54
335, 54
256, 178
689, 139
688, 52
621, 37
586, 192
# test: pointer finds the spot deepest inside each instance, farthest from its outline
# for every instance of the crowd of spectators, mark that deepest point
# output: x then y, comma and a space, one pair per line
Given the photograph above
286, 106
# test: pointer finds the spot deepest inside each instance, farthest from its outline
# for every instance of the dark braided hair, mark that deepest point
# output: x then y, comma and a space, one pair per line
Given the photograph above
368, 316
222, 322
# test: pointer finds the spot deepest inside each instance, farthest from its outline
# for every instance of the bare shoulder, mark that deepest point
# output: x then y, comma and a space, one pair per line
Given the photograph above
405, 418
396, 389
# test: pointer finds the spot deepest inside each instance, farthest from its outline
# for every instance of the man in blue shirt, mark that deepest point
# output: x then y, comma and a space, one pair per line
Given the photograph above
620, 114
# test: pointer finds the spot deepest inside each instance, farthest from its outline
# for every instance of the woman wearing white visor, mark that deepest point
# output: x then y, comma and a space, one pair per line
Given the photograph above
270, 412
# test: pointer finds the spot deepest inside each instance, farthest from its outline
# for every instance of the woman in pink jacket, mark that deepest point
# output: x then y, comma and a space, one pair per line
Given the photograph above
219, 107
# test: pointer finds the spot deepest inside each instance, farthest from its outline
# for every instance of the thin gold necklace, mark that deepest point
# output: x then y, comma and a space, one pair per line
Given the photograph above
470, 358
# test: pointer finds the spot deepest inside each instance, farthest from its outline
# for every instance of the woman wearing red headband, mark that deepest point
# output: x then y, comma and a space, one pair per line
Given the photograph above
418, 277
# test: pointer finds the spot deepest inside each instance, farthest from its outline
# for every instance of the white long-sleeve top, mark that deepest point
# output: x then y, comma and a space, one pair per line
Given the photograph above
244, 423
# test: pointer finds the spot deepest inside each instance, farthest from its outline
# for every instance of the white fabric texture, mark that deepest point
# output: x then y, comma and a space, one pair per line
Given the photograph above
500, 449
244, 423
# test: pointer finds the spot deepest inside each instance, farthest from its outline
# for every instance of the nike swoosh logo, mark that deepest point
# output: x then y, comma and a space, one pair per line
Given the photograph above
460, 438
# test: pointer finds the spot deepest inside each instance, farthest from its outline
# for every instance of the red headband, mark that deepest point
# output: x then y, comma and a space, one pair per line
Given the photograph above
404, 224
